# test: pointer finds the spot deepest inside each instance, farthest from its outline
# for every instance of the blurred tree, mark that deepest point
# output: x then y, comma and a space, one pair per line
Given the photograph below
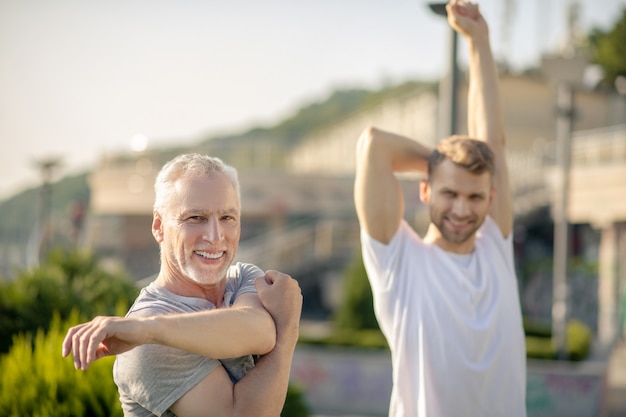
37, 381
357, 311
68, 280
295, 403
608, 50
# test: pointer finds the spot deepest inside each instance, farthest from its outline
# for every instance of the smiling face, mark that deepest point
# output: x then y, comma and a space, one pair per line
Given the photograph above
199, 231
458, 201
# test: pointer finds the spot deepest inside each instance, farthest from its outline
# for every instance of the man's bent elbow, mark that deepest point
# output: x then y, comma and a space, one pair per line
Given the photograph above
264, 335
365, 142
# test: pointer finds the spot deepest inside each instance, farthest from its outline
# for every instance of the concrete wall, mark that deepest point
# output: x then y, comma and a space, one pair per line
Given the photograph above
358, 382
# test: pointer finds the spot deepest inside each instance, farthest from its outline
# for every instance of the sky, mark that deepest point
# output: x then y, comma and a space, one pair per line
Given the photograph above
80, 79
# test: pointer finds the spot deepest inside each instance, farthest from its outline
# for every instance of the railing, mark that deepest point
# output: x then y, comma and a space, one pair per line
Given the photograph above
605, 145
529, 169
527, 176
293, 247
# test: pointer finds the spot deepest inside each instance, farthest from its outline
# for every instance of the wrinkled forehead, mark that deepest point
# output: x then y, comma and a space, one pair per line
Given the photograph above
212, 192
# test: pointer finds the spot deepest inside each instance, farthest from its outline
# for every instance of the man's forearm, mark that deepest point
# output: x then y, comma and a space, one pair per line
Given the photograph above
218, 334
221, 333
400, 152
262, 392
264, 389
485, 119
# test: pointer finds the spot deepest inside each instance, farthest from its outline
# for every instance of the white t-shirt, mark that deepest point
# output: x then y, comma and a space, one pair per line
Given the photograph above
453, 324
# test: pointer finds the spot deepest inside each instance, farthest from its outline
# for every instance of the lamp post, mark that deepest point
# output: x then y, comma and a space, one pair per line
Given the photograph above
448, 87
46, 167
565, 74
565, 115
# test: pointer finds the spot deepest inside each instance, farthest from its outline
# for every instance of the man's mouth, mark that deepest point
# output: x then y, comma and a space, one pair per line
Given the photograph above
210, 255
458, 224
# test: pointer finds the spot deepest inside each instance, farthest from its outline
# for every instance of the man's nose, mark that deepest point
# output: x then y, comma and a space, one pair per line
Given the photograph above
213, 230
460, 207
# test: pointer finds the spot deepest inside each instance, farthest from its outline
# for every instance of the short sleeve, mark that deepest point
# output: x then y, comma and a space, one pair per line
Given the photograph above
382, 260
241, 278
490, 232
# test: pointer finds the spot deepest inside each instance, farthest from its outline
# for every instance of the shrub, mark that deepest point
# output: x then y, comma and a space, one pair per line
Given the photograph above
354, 323
67, 281
295, 405
362, 339
36, 381
540, 344
356, 312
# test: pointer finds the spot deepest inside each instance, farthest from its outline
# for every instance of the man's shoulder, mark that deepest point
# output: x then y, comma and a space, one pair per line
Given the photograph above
155, 299
243, 269
242, 275
404, 234
490, 230
405, 249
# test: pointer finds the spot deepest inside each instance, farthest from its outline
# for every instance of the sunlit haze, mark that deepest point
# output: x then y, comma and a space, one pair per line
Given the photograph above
81, 78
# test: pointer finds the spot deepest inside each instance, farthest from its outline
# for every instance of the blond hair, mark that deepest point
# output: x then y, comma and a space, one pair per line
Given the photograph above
471, 154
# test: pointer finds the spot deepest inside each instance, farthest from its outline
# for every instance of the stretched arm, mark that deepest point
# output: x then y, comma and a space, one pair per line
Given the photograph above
246, 328
485, 117
243, 329
377, 194
263, 390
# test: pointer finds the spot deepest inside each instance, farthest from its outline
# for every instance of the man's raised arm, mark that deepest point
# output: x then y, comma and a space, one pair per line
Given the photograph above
377, 194
485, 117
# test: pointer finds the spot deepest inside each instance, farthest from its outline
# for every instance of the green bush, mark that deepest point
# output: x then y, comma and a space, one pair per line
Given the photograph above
37, 382
67, 281
540, 345
363, 339
537, 327
295, 405
354, 324
357, 311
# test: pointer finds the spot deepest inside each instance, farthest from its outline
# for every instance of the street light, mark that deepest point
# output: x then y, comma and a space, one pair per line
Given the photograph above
448, 87
46, 167
565, 73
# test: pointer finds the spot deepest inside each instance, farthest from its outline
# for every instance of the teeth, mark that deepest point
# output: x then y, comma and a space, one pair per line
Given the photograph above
210, 255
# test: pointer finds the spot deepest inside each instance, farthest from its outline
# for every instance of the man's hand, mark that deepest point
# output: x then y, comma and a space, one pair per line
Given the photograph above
282, 298
466, 19
103, 336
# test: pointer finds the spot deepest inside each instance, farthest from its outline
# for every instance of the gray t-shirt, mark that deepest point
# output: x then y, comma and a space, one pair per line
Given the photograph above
150, 378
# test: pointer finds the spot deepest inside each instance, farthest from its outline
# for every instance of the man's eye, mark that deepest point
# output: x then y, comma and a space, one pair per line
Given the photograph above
194, 219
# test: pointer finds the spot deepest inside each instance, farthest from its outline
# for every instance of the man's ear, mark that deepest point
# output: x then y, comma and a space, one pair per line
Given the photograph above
424, 191
492, 197
157, 226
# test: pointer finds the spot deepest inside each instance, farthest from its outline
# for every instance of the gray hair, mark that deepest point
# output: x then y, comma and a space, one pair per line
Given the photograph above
185, 166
